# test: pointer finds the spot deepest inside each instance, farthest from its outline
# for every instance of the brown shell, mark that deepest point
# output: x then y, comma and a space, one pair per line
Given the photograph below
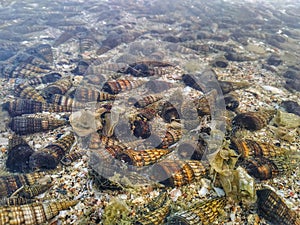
205, 213
117, 86
158, 201
253, 120
19, 107
155, 217
26, 91
30, 191
47, 78
141, 127
147, 100
59, 87
264, 168
50, 156
31, 214
22, 70
9, 184
169, 112
14, 201
27, 125
202, 105
228, 86
71, 157
142, 157
42, 51
90, 95
18, 155
273, 208
249, 148
146, 68
66, 101
97, 141
179, 172
171, 137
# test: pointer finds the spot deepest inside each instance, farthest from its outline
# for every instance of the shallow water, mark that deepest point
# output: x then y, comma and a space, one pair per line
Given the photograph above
244, 53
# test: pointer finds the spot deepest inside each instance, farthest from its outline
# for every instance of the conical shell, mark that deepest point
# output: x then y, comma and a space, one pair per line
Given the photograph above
117, 86
9, 184
273, 208
253, 120
205, 213
90, 95
178, 173
50, 156
59, 87
19, 107
142, 157
28, 125
26, 91
156, 217
249, 148
32, 214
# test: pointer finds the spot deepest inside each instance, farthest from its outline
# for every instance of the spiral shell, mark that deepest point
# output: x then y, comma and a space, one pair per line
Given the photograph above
265, 168
14, 201
19, 107
155, 217
179, 172
205, 213
169, 112
18, 154
190, 81
9, 184
147, 100
171, 137
253, 120
27, 125
249, 148
31, 214
50, 156
273, 208
142, 157
117, 86
26, 91
30, 191
42, 51
145, 68
59, 87
22, 70
48, 78
71, 157
66, 101
90, 95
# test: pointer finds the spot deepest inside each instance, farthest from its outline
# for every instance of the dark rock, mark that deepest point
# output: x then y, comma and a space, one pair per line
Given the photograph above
274, 60
291, 107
